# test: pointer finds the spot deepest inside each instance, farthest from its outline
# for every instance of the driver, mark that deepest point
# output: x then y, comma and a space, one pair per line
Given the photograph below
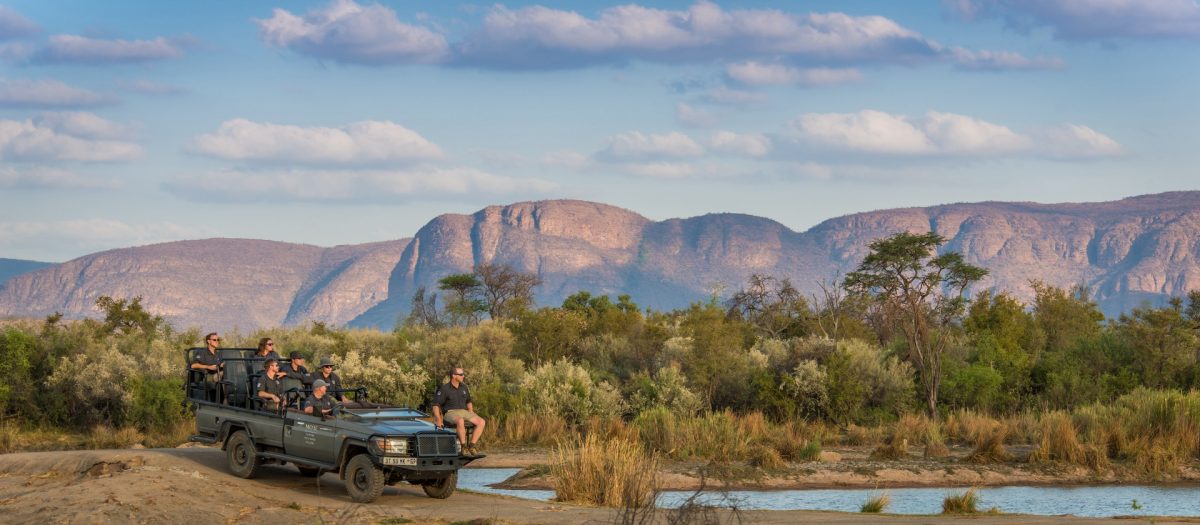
319, 404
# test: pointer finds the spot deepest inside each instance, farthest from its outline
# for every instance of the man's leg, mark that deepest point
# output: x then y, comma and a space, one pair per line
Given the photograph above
462, 430
479, 424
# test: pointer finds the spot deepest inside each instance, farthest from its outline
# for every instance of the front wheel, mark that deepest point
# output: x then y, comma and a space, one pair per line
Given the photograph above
364, 481
242, 455
442, 488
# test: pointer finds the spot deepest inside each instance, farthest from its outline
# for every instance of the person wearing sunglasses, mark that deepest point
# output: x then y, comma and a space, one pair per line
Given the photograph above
453, 398
266, 349
325, 373
207, 360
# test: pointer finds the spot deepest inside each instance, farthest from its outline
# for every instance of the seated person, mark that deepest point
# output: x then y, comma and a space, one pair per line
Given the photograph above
270, 386
266, 349
209, 362
318, 403
294, 374
326, 374
454, 400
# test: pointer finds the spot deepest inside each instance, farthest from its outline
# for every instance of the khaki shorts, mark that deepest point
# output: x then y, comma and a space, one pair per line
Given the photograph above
452, 416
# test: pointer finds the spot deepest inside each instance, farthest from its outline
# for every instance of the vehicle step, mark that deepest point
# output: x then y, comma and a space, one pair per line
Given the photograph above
207, 440
327, 467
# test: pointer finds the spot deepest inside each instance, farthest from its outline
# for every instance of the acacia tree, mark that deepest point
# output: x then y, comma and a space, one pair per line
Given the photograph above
772, 306
464, 304
506, 292
919, 291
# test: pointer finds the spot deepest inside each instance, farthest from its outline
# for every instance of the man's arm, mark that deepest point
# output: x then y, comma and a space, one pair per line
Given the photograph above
470, 407
437, 416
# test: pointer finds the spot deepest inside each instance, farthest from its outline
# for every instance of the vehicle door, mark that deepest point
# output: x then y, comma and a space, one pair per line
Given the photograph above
310, 437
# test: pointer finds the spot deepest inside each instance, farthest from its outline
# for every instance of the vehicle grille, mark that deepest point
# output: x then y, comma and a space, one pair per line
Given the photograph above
436, 445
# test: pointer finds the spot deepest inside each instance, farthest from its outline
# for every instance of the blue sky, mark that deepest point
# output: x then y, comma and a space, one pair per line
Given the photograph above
127, 123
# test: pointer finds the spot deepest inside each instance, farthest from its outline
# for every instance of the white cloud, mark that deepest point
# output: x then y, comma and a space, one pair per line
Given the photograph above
26, 93
83, 125
566, 159
749, 145
88, 235
693, 117
638, 146
63, 137
1090, 19
37, 178
153, 88
1002, 61
347, 32
946, 135
541, 37
765, 74
13, 25
659, 170
358, 143
84, 50
350, 186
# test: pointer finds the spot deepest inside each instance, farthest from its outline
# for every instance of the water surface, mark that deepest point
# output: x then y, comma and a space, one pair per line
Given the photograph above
1090, 501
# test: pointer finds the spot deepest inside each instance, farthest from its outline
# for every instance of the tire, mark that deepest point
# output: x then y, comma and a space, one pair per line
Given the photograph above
308, 472
364, 481
442, 488
242, 455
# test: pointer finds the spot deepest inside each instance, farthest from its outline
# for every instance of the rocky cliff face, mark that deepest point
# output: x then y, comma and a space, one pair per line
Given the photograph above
1126, 251
215, 283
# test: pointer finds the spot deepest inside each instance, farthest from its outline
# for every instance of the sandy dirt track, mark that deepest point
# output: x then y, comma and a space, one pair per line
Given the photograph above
191, 485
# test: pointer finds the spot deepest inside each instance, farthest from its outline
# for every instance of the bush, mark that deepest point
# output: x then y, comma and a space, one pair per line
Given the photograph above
806, 386
565, 389
156, 405
387, 381
667, 388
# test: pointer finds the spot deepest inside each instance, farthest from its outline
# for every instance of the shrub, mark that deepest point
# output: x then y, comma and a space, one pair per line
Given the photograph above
876, 503
667, 388
806, 386
566, 390
961, 503
386, 380
609, 473
156, 404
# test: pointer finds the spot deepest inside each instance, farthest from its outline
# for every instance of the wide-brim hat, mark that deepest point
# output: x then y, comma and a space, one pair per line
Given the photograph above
326, 361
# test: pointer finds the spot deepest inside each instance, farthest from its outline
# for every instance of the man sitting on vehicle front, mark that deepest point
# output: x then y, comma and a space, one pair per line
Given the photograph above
270, 386
319, 404
454, 398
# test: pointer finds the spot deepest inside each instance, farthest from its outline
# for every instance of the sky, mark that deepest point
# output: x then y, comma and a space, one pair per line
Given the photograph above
341, 122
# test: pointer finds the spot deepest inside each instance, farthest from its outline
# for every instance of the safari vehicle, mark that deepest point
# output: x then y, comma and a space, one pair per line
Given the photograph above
367, 444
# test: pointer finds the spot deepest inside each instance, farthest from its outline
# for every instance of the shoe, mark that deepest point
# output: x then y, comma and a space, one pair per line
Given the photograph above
469, 450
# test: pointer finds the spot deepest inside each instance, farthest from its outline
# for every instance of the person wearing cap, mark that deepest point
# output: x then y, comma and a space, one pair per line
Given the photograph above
266, 349
318, 403
294, 373
326, 374
270, 386
454, 400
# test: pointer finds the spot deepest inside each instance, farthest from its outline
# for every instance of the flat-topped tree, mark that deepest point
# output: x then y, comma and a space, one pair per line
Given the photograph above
920, 293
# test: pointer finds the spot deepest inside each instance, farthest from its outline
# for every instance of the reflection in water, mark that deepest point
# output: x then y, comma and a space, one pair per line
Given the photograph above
1090, 501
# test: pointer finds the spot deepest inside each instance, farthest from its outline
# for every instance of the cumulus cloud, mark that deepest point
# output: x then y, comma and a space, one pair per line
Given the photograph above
693, 117
13, 25
27, 93
540, 37
1089, 19
341, 186
64, 137
40, 178
88, 235
748, 145
361, 143
946, 134
1002, 61
77, 49
635, 145
345, 31
766, 74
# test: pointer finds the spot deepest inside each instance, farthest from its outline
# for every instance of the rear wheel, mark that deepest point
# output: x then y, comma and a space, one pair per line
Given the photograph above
242, 455
364, 481
308, 472
442, 488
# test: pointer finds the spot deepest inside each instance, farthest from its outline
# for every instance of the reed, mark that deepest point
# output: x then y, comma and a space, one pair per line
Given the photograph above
766, 457
876, 503
988, 440
609, 473
1059, 441
961, 502
908, 429
528, 429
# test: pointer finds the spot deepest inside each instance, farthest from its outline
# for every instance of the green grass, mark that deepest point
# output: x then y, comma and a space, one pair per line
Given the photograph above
961, 502
876, 504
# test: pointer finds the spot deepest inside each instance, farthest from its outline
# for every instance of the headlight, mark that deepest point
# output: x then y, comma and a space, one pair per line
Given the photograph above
391, 445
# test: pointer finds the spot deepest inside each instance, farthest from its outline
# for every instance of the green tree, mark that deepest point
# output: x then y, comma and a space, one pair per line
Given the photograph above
546, 335
465, 303
919, 291
774, 307
1002, 337
126, 316
1163, 343
506, 292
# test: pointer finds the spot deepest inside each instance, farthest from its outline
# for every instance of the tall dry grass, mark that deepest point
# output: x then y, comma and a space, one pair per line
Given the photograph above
961, 502
909, 430
609, 473
528, 429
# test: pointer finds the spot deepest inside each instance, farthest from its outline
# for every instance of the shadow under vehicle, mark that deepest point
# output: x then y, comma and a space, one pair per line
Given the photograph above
367, 444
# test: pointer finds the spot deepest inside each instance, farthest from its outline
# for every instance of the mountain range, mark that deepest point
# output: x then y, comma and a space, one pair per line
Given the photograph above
1144, 248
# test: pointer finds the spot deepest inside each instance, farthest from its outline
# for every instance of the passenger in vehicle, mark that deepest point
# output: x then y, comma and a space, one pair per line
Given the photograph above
454, 400
319, 403
266, 349
270, 386
326, 374
207, 360
294, 373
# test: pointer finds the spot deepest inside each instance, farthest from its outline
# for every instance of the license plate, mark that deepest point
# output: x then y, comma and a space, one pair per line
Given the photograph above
400, 461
